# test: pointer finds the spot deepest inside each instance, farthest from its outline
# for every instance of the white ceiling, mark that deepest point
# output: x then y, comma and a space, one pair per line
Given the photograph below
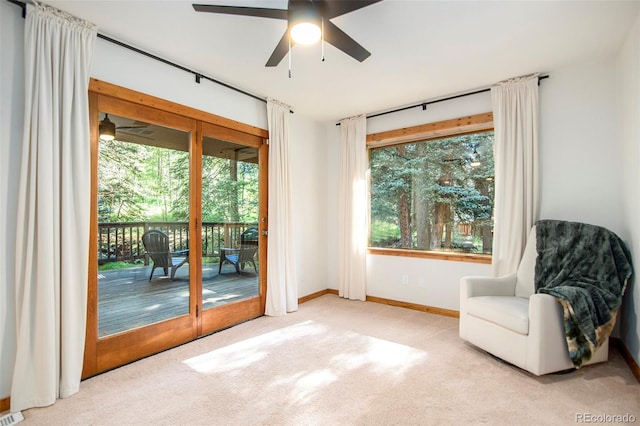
421, 50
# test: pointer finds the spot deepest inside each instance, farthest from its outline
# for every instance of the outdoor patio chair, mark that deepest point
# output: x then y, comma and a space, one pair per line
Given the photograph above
238, 257
156, 243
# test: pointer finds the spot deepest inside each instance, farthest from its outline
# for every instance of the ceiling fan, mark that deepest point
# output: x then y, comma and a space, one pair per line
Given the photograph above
107, 128
310, 15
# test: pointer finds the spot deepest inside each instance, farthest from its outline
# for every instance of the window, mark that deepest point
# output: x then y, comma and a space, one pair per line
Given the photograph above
433, 193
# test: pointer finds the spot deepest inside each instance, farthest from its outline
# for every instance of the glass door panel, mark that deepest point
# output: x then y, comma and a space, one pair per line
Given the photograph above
143, 225
230, 210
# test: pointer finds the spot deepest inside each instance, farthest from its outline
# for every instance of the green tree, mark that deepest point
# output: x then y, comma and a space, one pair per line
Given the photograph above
425, 191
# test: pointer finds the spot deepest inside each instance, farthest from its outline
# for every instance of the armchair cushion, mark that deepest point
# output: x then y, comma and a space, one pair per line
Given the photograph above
509, 312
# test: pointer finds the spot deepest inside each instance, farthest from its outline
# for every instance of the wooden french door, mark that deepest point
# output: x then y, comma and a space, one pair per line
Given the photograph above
243, 237
197, 184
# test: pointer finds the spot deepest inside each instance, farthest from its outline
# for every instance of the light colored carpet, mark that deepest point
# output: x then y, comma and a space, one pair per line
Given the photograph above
340, 362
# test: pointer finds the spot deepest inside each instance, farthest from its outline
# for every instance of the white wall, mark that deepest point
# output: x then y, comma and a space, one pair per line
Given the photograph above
11, 118
308, 188
580, 153
629, 126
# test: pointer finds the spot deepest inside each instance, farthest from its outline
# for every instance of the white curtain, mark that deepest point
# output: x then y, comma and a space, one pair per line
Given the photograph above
52, 233
515, 118
353, 212
282, 286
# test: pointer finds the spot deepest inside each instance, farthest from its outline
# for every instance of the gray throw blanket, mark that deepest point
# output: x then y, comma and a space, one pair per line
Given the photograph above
586, 268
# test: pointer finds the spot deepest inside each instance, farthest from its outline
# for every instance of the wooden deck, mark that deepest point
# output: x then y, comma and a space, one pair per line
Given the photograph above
127, 299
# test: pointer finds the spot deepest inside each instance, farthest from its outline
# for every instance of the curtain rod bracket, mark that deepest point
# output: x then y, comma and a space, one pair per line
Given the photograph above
198, 78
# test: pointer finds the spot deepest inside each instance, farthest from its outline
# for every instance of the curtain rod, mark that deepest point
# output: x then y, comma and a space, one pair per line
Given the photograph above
198, 76
424, 104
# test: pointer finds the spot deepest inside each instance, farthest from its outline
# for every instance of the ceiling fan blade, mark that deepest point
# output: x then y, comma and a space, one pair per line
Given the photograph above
244, 11
282, 48
338, 38
340, 7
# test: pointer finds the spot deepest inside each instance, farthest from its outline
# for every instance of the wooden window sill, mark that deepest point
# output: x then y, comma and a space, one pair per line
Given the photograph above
438, 255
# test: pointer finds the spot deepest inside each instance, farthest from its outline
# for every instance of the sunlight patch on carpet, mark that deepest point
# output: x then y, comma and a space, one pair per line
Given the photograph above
381, 357
304, 361
247, 352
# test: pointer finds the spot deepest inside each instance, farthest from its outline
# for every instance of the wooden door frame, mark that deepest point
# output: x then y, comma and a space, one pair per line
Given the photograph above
129, 346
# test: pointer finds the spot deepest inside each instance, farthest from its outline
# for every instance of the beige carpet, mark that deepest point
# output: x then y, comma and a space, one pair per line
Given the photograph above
341, 362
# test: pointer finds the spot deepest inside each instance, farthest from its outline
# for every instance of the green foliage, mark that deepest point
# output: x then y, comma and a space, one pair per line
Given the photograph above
386, 234
116, 265
445, 191
149, 183
228, 195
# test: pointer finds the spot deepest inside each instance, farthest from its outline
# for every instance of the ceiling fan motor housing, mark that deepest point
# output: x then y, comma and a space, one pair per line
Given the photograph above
304, 11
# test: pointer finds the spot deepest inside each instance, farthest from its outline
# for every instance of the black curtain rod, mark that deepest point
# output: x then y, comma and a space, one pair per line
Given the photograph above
198, 76
22, 5
424, 104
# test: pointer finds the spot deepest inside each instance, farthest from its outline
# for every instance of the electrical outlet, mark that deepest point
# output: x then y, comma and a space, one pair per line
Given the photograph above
405, 279
422, 283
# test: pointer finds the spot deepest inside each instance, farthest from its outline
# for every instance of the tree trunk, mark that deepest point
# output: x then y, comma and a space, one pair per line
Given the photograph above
404, 206
422, 222
448, 226
233, 173
405, 218
485, 229
439, 219
421, 203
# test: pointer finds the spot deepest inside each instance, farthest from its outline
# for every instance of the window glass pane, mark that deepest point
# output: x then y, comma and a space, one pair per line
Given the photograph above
230, 201
434, 195
143, 189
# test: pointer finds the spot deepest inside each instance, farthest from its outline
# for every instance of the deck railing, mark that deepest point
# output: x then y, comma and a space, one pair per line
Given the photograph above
122, 241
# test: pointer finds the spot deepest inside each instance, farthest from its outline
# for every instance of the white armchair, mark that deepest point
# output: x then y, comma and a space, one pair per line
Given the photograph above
505, 317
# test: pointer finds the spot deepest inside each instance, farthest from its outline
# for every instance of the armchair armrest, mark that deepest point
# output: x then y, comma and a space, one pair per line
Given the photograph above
483, 286
547, 346
488, 286
545, 316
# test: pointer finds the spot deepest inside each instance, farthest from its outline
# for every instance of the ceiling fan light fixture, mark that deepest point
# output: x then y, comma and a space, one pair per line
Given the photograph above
107, 129
305, 33
304, 22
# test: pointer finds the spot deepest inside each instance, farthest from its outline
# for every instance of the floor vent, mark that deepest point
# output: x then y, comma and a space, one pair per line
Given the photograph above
11, 419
